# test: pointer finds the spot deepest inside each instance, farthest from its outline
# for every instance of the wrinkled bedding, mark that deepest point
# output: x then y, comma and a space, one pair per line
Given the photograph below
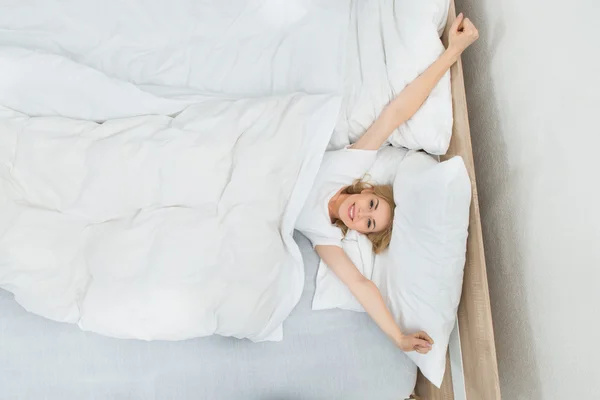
157, 227
233, 47
391, 42
154, 155
142, 215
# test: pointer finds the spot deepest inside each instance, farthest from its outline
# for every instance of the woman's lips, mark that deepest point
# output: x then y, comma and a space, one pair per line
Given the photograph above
351, 210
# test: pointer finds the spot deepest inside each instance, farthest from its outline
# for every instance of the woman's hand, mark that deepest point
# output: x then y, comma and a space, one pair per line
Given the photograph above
419, 342
462, 34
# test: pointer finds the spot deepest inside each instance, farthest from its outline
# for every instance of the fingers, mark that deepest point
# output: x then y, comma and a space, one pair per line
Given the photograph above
464, 25
457, 23
422, 343
467, 24
469, 29
425, 336
423, 348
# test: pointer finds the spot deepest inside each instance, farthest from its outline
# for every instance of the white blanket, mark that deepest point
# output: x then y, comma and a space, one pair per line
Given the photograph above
189, 51
233, 47
158, 227
172, 218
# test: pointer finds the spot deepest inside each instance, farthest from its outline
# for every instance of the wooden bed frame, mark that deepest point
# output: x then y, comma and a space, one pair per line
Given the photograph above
474, 313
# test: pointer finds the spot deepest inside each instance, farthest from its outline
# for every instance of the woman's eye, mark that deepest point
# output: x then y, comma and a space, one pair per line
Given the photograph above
369, 224
372, 203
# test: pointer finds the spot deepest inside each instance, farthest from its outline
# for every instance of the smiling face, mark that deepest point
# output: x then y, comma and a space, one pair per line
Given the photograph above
365, 212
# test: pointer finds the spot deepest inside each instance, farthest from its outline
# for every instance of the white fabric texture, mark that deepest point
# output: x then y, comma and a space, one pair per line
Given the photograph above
158, 227
159, 222
390, 43
421, 273
43, 84
331, 292
188, 51
235, 48
338, 169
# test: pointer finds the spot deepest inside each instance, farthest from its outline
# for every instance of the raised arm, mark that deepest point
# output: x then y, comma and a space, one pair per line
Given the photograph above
462, 34
370, 298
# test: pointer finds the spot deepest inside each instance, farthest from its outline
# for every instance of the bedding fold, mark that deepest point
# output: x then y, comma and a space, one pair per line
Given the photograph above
162, 227
154, 155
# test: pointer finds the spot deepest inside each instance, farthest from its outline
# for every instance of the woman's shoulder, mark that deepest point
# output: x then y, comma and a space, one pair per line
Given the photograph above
316, 225
348, 162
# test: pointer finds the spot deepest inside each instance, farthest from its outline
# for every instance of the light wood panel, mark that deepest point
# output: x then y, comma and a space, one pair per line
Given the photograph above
474, 313
428, 391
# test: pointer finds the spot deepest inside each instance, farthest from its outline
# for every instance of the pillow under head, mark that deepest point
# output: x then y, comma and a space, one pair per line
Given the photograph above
420, 274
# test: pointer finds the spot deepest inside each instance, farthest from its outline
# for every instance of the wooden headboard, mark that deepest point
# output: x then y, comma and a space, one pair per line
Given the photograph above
474, 313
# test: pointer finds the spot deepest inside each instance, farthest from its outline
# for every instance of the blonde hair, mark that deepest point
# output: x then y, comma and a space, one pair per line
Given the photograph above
380, 240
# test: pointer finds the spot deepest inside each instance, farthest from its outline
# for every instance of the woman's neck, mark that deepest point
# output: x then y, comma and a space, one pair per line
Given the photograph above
335, 203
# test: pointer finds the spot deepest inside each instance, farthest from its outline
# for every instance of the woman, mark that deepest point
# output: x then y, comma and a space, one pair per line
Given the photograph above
340, 201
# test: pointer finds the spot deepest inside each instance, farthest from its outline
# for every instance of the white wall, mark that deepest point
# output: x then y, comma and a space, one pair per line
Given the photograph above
533, 89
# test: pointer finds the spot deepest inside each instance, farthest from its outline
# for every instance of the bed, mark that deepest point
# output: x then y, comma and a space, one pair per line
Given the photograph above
478, 351
325, 355
95, 366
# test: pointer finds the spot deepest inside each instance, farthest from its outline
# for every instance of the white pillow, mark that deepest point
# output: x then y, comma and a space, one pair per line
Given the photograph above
389, 45
421, 273
330, 291
384, 169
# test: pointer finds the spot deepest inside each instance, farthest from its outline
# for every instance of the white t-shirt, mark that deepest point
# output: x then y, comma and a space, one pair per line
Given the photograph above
338, 169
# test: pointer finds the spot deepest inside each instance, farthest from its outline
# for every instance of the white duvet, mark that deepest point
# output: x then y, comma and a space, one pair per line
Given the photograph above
213, 47
166, 218
158, 227
140, 195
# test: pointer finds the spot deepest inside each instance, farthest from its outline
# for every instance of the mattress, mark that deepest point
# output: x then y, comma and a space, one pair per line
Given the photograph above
324, 355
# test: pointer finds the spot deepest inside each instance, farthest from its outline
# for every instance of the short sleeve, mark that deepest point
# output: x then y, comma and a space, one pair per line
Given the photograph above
318, 240
348, 163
